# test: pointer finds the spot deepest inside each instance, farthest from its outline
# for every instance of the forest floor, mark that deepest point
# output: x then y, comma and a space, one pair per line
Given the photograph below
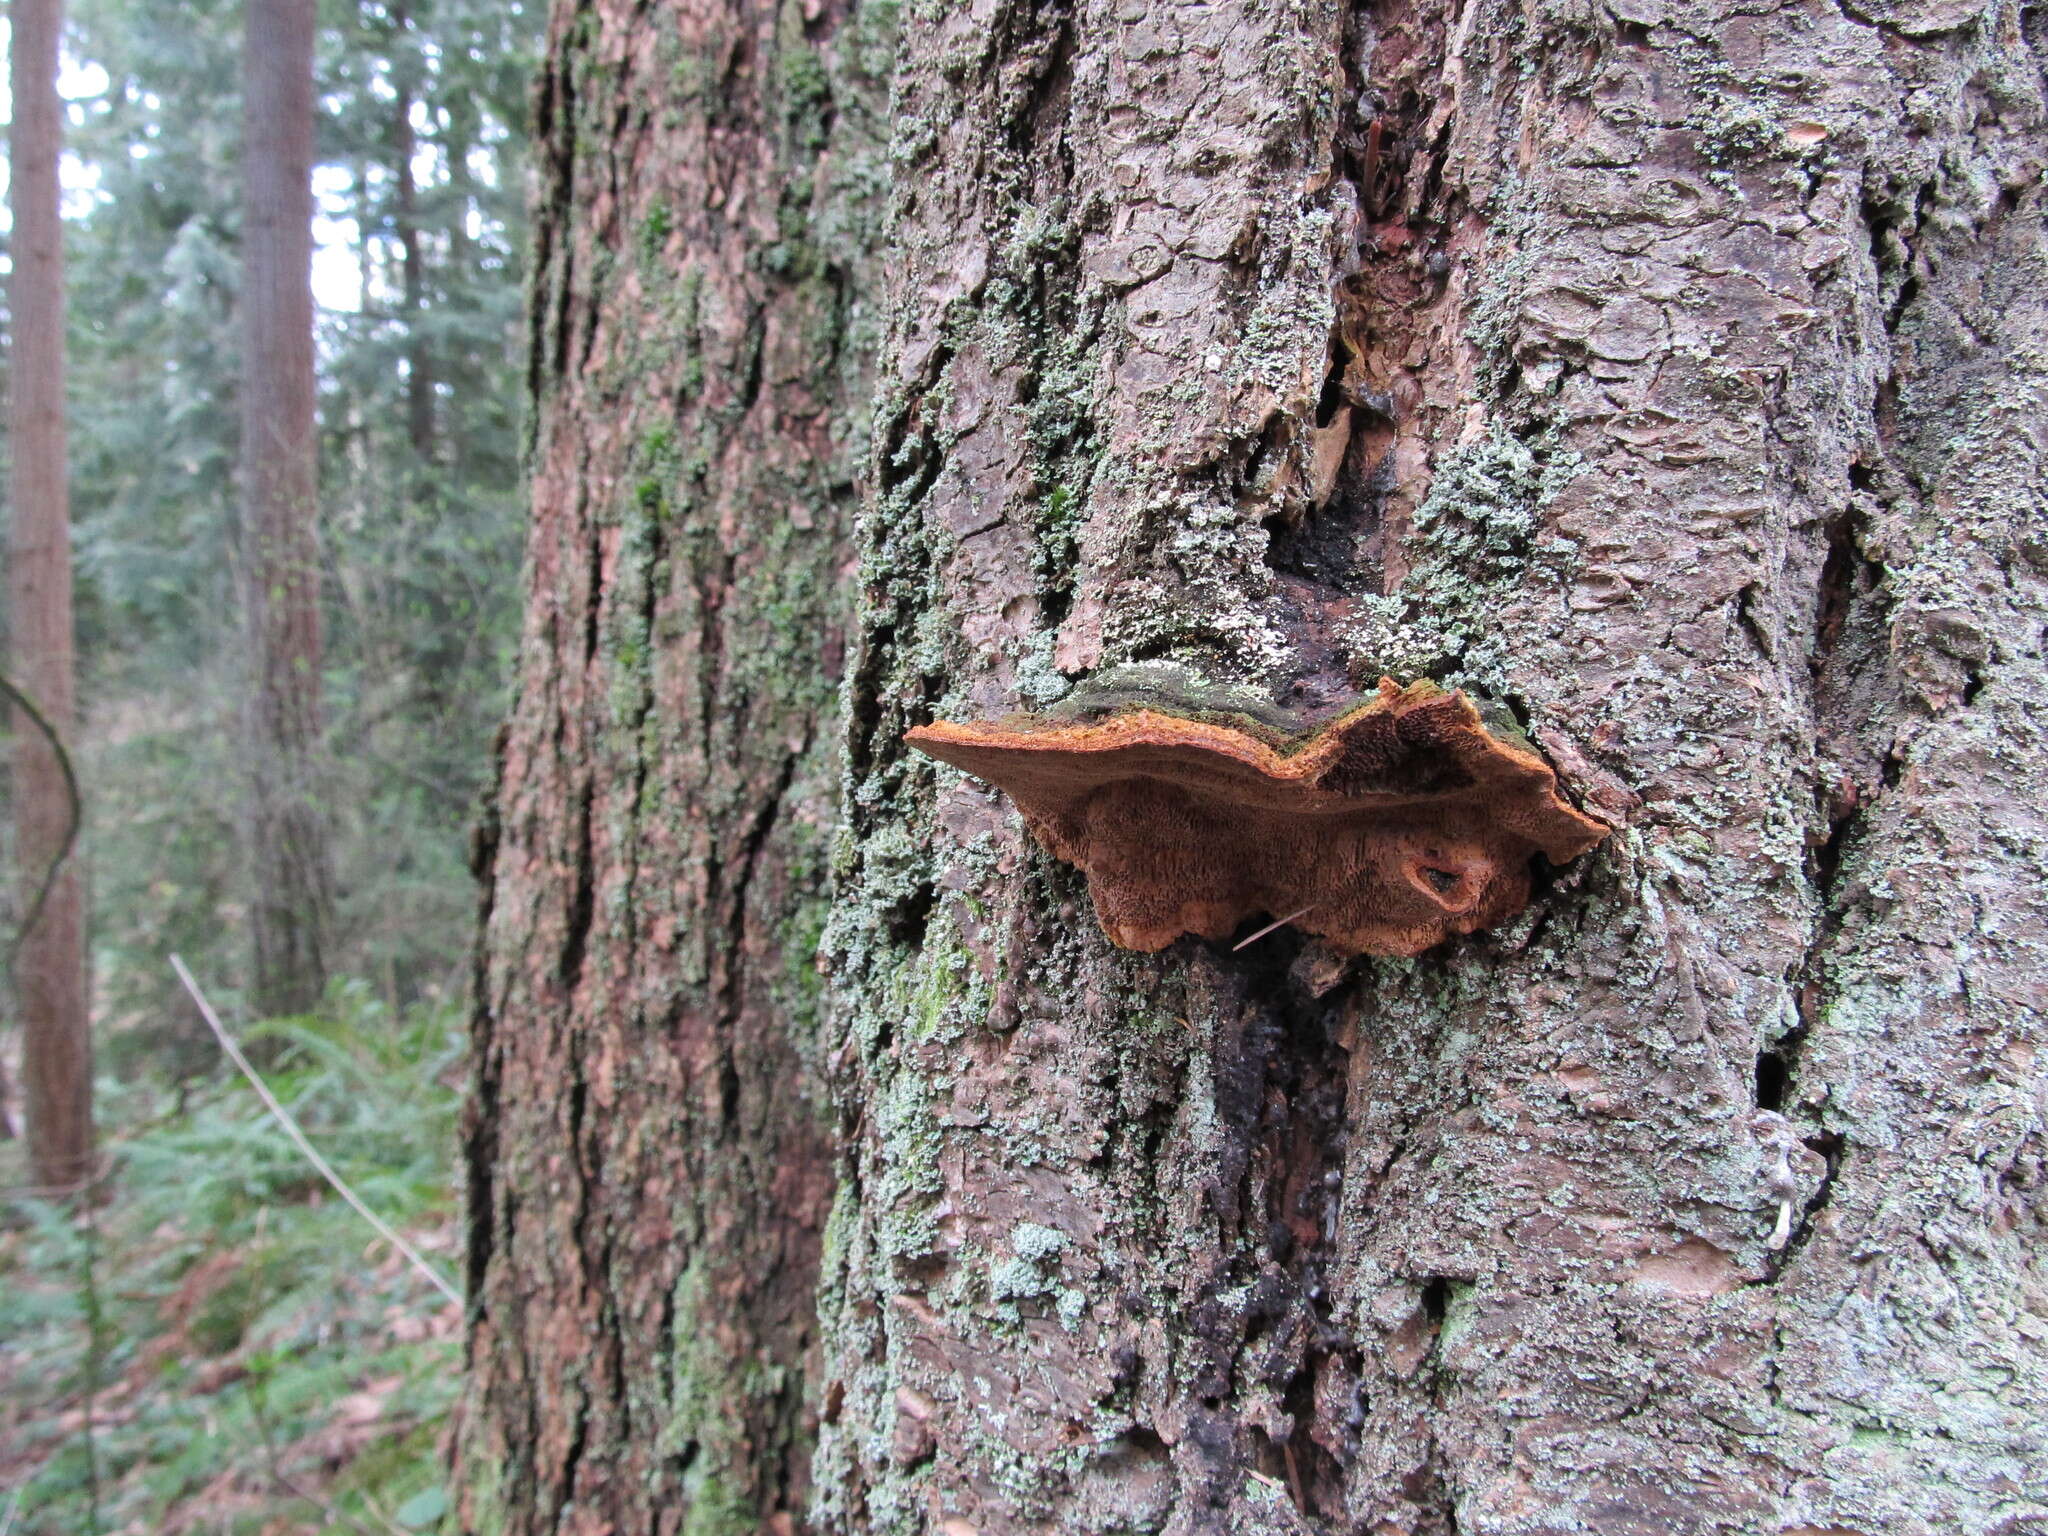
222, 1345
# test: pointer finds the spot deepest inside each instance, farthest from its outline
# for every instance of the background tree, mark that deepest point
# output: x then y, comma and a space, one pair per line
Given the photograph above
47, 956
417, 556
421, 432
312, 1379
290, 873
1665, 375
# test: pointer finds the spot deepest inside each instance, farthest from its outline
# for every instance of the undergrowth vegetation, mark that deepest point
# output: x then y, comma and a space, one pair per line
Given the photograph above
220, 1344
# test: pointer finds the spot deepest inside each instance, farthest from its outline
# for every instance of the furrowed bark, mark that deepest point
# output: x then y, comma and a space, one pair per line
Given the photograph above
649, 1165
1670, 376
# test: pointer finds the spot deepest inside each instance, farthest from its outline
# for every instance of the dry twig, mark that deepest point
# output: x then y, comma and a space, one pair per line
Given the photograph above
291, 1128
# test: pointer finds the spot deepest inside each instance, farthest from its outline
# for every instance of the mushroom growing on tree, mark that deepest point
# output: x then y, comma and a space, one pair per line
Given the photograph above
1398, 824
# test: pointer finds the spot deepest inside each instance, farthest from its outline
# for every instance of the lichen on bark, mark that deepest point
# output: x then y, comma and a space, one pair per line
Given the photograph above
1667, 375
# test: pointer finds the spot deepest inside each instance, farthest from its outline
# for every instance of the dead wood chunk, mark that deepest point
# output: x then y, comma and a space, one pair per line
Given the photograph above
1398, 824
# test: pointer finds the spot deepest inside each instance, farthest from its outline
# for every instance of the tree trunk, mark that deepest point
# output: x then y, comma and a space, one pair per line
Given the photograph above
1669, 379
291, 897
649, 1168
419, 376
49, 955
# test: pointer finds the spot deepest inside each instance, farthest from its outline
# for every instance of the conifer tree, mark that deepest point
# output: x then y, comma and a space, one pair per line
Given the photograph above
290, 873
49, 954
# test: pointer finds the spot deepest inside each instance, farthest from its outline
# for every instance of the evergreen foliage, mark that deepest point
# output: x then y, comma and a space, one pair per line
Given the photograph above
215, 1341
421, 531
224, 1346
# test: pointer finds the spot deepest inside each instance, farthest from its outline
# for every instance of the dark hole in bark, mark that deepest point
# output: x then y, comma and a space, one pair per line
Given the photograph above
912, 916
865, 706
1444, 880
1322, 546
1123, 1364
1879, 221
1337, 545
1036, 131
582, 907
1753, 626
1424, 1488
1158, 1120
1632, 34
1777, 1065
1909, 290
1331, 400
1827, 858
912, 472
1271, 441
1279, 1090
1144, 1439
1436, 1297
1828, 1144
1773, 1073
1057, 600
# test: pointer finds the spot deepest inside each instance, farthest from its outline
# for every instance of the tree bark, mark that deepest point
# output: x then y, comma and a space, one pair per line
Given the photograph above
419, 376
1684, 362
291, 896
49, 955
649, 1168
1669, 378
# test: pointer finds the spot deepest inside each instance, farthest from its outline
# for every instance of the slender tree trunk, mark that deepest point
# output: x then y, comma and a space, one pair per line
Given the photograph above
649, 1168
1668, 377
49, 963
419, 378
291, 898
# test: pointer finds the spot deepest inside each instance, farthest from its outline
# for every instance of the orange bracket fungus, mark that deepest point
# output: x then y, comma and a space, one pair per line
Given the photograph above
1398, 824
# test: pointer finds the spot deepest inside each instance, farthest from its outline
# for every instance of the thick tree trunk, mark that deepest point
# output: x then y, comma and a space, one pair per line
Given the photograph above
649, 1165
1685, 370
291, 895
49, 956
1668, 376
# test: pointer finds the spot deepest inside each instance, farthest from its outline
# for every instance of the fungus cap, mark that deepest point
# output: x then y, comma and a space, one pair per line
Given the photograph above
1398, 824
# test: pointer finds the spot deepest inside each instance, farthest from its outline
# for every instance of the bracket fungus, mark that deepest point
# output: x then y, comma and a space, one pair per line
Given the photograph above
1398, 824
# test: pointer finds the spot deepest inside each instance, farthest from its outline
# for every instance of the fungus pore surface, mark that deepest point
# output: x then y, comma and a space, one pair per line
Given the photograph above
1398, 824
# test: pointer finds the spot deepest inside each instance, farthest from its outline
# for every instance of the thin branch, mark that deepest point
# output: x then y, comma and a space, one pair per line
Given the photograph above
291, 1128
1278, 922
41, 722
